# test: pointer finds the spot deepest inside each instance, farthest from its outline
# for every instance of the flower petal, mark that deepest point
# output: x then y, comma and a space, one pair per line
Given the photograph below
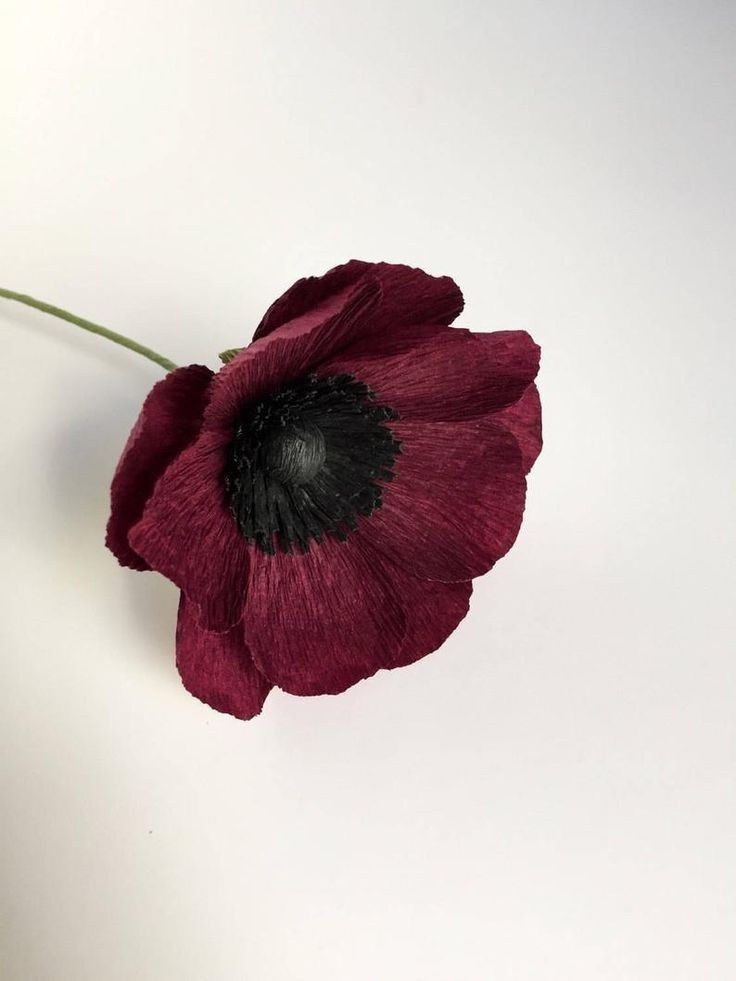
411, 296
408, 296
456, 501
524, 420
308, 293
435, 373
169, 420
318, 622
286, 354
432, 609
188, 534
217, 668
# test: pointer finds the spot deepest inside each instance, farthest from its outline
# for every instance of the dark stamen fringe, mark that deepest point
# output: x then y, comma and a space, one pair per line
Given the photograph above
308, 462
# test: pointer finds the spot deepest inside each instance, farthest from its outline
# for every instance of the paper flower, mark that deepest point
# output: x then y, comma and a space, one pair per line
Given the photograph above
324, 501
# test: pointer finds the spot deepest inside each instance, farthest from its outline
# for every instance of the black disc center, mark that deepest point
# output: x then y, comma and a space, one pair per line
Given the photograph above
309, 461
296, 454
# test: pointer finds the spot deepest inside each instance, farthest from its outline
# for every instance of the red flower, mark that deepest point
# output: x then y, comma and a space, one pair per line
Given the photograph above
324, 501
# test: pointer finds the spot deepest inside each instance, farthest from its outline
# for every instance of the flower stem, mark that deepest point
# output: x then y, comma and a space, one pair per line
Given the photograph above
111, 335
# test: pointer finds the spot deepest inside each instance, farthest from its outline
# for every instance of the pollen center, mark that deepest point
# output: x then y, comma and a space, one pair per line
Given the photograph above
309, 461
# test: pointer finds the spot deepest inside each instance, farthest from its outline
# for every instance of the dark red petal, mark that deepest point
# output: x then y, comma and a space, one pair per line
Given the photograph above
456, 501
409, 296
308, 293
317, 623
432, 610
217, 668
169, 420
524, 420
286, 354
445, 374
188, 534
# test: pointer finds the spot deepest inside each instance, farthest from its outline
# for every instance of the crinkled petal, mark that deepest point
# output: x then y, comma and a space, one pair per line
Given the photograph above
318, 622
456, 501
188, 534
284, 355
524, 420
408, 296
217, 668
168, 422
432, 610
444, 374
308, 293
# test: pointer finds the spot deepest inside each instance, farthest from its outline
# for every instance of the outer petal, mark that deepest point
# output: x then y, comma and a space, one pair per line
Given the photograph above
308, 293
188, 534
288, 353
524, 420
408, 296
217, 668
169, 420
432, 609
317, 623
439, 374
456, 502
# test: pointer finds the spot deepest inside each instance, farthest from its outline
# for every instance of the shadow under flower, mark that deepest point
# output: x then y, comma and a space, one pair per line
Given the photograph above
82, 452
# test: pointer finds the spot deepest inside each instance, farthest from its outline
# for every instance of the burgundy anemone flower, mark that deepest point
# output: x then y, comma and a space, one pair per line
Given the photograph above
324, 501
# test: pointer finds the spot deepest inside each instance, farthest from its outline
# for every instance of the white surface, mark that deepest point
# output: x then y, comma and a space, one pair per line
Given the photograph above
551, 796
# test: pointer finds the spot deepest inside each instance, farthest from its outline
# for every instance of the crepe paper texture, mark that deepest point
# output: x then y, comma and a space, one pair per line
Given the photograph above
324, 500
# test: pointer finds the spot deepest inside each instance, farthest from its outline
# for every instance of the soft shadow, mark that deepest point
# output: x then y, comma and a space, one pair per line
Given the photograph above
82, 455
153, 603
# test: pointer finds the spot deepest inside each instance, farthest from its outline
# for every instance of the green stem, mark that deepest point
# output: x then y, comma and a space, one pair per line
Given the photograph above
111, 335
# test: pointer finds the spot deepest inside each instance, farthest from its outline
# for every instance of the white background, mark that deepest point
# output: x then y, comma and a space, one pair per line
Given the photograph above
552, 795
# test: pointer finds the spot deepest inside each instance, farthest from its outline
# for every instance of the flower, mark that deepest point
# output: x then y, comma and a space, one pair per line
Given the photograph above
324, 501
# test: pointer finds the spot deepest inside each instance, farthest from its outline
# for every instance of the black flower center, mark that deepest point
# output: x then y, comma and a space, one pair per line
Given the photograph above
308, 461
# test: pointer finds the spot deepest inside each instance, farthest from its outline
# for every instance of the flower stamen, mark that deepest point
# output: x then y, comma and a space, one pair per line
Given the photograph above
309, 461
